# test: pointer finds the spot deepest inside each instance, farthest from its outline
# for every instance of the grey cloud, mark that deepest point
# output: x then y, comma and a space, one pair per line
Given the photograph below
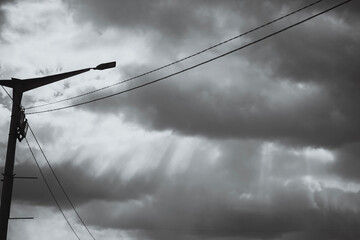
322, 55
245, 96
170, 18
205, 106
207, 200
5, 101
81, 186
186, 212
348, 161
174, 18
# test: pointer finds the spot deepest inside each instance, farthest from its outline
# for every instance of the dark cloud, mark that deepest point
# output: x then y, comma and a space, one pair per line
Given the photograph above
191, 211
298, 89
320, 54
206, 200
81, 186
169, 18
205, 106
348, 161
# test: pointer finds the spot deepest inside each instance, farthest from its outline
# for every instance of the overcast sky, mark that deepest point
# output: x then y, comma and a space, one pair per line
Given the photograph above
261, 144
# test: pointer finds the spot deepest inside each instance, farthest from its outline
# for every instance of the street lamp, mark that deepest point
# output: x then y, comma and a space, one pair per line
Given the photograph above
18, 127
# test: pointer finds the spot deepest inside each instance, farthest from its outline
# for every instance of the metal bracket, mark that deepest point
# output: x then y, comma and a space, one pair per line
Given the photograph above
13, 177
7, 177
27, 177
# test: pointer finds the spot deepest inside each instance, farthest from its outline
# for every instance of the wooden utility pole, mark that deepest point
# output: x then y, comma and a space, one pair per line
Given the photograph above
18, 128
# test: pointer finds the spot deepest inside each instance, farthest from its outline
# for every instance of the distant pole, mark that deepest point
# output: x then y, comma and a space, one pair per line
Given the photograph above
19, 87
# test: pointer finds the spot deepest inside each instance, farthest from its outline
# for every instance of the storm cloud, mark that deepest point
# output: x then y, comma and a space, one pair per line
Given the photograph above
306, 96
260, 144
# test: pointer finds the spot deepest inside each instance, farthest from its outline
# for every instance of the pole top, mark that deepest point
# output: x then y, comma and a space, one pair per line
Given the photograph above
31, 83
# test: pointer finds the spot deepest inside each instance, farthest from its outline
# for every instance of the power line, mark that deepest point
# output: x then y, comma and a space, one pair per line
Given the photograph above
51, 192
194, 66
58, 181
180, 60
7, 92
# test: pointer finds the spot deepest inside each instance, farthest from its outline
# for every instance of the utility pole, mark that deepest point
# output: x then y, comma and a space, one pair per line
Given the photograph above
18, 128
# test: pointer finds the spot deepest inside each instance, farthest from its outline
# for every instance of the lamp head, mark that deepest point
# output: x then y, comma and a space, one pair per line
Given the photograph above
105, 66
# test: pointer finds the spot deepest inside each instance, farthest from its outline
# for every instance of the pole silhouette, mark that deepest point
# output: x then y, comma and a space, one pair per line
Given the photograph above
18, 130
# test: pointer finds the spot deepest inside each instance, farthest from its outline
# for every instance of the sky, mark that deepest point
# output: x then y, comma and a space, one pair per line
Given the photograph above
263, 143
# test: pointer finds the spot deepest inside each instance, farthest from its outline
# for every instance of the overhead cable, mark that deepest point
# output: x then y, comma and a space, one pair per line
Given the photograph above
194, 66
180, 60
58, 181
49, 188
7, 92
